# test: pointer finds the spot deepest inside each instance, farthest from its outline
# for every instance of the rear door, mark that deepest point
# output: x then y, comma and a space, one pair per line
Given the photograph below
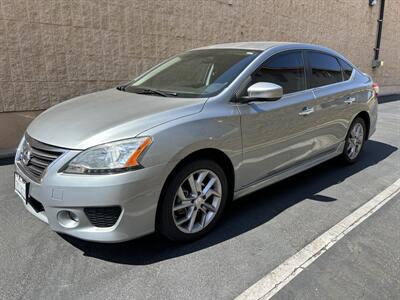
331, 83
278, 134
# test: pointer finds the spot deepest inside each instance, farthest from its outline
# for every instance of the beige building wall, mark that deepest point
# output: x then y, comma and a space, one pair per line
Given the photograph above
52, 50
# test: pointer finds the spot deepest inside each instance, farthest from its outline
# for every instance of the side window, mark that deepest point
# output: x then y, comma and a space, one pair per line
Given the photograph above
325, 69
286, 70
346, 68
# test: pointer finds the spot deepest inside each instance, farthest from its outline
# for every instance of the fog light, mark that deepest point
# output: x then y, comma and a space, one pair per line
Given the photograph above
73, 216
68, 219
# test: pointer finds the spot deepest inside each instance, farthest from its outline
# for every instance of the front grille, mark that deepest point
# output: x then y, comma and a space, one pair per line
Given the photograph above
103, 216
35, 157
40, 160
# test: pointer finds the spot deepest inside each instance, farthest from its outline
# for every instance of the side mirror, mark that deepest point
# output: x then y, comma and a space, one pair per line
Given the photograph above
263, 91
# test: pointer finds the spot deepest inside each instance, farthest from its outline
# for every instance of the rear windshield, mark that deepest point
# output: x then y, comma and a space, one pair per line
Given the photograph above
197, 73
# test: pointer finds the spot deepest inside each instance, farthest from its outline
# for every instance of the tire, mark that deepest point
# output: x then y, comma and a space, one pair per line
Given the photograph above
354, 143
180, 204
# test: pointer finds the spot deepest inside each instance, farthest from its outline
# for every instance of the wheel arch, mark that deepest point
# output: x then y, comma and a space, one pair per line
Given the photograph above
216, 155
367, 120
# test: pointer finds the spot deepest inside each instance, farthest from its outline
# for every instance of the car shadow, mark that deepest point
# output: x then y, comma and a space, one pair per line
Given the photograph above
242, 215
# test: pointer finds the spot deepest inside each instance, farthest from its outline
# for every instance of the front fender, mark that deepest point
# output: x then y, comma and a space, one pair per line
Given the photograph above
216, 127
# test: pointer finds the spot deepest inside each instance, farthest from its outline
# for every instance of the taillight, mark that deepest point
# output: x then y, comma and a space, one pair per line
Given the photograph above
375, 88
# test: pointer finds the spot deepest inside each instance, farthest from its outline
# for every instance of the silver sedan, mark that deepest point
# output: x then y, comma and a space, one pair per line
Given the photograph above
168, 150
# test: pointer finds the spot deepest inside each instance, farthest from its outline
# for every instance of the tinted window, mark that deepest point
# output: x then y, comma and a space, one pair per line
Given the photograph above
286, 70
347, 69
325, 69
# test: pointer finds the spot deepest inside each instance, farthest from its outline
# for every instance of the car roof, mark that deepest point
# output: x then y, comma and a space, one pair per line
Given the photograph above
249, 45
263, 46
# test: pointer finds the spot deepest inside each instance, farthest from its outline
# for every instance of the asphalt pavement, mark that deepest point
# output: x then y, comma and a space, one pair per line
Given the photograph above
257, 234
363, 265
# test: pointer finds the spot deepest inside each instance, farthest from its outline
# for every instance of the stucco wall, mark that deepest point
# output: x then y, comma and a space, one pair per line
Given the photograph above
52, 50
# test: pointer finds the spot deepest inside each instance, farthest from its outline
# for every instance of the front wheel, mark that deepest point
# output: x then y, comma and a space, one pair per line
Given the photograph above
355, 140
193, 201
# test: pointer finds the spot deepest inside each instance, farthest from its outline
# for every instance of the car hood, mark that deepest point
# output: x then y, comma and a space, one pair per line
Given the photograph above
107, 116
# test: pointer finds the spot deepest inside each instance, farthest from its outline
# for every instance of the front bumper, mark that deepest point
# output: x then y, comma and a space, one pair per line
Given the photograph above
136, 193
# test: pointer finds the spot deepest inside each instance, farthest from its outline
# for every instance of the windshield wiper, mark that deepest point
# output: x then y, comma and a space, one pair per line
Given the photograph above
157, 92
121, 87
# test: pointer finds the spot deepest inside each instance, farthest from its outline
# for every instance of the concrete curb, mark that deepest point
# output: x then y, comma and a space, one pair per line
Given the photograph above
388, 98
6, 154
6, 159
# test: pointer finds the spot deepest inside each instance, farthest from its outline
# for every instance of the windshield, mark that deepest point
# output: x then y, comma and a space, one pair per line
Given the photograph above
198, 73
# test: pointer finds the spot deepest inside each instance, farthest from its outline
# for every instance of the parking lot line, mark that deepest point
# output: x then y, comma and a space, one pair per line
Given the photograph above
274, 281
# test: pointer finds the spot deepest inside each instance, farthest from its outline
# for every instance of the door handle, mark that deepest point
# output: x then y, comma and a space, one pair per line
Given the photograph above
349, 100
306, 111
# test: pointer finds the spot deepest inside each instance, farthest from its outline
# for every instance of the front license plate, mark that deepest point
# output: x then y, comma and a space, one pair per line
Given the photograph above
21, 186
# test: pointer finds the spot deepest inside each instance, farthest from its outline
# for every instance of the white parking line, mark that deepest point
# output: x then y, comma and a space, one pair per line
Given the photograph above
274, 281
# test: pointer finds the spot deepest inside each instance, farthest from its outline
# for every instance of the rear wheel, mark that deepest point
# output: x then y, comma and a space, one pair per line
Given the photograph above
193, 201
355, 140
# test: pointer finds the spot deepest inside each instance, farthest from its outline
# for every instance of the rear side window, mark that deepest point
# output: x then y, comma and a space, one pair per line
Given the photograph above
285, 69
325, 69
347, 69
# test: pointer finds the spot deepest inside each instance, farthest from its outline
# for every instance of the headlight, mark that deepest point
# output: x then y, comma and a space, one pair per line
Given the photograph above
109, 158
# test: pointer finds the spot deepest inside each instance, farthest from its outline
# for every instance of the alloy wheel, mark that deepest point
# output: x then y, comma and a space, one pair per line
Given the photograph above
355, 141
197, 201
